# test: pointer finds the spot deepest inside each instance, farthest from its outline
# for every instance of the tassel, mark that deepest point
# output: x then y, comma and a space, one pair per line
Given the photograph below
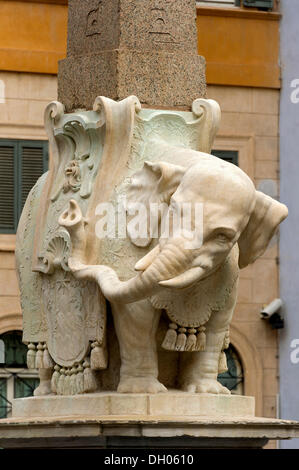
226, 340
80, 379
47, 359
201, 339
73, 381
191, 340
31, 355
39, 357
222, 365
60, 384
170, 338
181, 340
98, 356
55, 378
66, 385
90, 384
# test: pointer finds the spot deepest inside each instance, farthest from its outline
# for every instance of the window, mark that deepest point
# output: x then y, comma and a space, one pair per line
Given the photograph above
261, 4
233, 379
230, 156
22, 162
218, 2
16, 381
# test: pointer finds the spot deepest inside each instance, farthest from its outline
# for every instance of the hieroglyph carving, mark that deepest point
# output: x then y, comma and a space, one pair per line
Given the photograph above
94, 20
159, 28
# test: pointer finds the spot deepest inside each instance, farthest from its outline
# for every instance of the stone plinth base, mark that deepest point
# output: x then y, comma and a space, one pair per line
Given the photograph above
145, 432
135, 404
112, 420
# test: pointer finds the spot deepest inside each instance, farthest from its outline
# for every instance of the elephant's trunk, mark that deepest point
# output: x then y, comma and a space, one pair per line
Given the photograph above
169, 267
169, 263
72, 220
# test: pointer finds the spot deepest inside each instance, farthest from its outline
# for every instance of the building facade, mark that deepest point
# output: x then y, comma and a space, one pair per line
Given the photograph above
289, 171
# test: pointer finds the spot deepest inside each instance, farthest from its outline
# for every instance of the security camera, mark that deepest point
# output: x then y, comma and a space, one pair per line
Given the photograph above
271, 313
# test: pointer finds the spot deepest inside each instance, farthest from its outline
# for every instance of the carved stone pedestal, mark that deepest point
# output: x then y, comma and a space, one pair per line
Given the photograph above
112, 420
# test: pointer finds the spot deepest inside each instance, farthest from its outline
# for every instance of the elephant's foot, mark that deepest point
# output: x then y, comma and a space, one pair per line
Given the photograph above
140, 385
206, 386
44, 388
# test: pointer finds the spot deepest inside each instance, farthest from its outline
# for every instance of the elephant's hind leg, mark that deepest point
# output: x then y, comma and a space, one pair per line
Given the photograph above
136, 325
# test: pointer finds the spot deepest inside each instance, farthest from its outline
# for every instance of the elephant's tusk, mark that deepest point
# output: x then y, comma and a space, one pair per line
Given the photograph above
147, 260
185, 279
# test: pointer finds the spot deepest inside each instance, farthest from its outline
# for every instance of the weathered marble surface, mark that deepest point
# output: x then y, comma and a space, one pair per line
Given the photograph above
148, 156
174, 404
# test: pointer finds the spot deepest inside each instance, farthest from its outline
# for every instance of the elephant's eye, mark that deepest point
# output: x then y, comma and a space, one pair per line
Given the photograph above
221, 237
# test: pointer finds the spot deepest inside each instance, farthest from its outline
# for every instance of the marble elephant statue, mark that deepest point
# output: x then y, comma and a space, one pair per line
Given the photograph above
195, 283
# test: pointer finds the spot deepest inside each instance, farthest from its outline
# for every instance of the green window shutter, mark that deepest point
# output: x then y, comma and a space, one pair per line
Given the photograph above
15, 352
22, 162
24, 387
8, 159
32, 166
3, 402
230, 156
264, 4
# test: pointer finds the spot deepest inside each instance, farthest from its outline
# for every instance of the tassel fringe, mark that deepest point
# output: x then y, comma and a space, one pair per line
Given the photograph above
170, 338
89, 380
98, 356
60, 384
184, 339
201, 339
48, 362
191, 340
79, 378
55, 378
39, 363
181, 340
31, 356
222, 366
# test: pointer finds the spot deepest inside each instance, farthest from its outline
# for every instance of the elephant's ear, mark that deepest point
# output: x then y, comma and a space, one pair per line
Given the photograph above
264, 220
154, 184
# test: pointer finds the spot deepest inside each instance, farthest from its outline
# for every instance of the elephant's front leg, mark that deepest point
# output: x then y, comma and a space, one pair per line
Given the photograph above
136, 326
200, 369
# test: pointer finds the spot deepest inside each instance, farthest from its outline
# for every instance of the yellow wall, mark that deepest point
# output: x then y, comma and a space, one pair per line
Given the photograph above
241, 47
32, 36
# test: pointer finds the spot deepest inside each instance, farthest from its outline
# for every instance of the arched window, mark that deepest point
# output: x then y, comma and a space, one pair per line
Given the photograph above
233, 378
16, 380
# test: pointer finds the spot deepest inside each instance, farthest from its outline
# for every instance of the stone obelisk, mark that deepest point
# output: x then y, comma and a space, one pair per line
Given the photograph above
118, 48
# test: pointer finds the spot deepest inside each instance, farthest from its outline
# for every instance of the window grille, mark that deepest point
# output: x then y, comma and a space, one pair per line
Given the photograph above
16, 381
